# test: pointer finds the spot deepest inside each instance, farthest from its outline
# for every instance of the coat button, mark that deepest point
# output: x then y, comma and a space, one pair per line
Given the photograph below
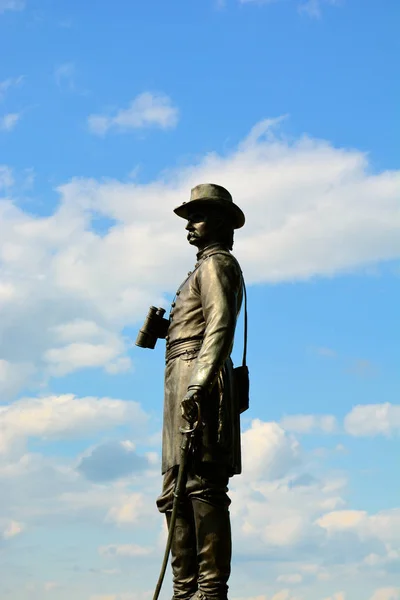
190, 272
178, 292
172, 305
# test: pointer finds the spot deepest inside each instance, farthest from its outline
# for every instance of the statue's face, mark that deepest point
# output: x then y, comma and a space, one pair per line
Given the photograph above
201, 229
197, 228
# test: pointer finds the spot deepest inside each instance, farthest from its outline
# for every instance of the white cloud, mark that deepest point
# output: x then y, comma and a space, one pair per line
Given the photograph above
268, 452
6, 177
309, 423
281, 595
63, 417
42, 492
124, 550
130, 510
13, 375
285, 595
383, 526
312, 8
9, 121
327, 352
11, 5
146, 110
258, 1
9, 83
388, 593
291, 579
388, 559
65, 75
373, 419
12, 529
263, 597
272, 520
82, 355
272, 514
83, 343
50, 585
123, 596
327, 214
342, 520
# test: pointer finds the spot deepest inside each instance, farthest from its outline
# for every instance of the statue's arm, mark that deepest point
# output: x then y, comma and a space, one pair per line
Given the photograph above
219, 282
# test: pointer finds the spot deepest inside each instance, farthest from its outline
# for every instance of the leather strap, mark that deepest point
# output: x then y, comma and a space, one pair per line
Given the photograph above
244, 362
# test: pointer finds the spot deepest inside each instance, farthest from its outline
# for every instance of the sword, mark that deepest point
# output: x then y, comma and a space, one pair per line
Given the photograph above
186, 447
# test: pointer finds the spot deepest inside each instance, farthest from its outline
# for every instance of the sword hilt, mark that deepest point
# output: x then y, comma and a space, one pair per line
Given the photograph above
198, 422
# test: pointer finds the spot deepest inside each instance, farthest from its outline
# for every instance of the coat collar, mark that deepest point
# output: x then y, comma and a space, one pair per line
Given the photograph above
208, 249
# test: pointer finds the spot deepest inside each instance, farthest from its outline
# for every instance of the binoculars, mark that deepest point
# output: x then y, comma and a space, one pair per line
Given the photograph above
154, 327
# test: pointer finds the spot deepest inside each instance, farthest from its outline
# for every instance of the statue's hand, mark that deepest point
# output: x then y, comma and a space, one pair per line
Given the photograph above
189, 405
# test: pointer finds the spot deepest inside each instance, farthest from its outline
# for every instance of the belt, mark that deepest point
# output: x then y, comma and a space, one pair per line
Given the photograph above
188, 347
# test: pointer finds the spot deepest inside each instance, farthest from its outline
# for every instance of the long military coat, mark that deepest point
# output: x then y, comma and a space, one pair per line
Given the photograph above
203, 316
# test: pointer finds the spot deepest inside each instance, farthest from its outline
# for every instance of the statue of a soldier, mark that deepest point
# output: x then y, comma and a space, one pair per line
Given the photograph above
199, 371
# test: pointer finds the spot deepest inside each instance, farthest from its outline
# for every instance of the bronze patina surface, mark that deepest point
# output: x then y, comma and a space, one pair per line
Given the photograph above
199, 369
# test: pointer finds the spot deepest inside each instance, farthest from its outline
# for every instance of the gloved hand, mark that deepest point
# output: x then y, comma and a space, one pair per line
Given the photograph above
189, 405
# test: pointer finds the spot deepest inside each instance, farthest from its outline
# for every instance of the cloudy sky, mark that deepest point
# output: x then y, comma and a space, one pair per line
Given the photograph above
109, 113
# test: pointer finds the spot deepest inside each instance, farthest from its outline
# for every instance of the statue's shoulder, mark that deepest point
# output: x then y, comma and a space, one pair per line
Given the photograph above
223, 257
223, 262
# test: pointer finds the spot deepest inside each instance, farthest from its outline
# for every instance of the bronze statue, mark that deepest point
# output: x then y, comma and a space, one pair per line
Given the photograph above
199, 374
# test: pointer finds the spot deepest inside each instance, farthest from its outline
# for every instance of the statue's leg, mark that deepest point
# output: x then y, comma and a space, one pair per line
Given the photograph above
213, 533
184, 555
183, 548
214, 549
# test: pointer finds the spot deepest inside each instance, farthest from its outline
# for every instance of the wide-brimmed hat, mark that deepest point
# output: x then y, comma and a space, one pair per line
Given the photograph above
210, 194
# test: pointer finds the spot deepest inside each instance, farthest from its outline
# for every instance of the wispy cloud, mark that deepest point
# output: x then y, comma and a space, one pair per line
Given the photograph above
65, 76
6, 84
309, 423
9, 121
146, 110
363, 368
387, 593
326, 352
312, 8
11, 5
129, 550
12, 529
6, 177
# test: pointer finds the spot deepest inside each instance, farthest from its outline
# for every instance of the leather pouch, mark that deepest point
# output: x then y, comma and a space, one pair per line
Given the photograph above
242, 386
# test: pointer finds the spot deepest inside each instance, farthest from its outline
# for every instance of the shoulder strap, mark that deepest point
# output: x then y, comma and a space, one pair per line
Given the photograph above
244, 359
245, 324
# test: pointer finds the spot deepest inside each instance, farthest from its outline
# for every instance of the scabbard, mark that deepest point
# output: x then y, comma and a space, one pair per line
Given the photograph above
186, 446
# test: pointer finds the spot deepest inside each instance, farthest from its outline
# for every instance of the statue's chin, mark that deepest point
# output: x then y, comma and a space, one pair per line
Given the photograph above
193, 241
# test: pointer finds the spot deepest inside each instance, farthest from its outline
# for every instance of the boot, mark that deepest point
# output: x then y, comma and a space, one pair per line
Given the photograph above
183, 555
214, 550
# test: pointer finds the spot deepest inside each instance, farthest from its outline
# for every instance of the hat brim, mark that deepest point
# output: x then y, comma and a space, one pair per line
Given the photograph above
236, 214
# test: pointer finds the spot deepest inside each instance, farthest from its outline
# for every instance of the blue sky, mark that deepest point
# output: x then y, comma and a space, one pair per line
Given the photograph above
109, 114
